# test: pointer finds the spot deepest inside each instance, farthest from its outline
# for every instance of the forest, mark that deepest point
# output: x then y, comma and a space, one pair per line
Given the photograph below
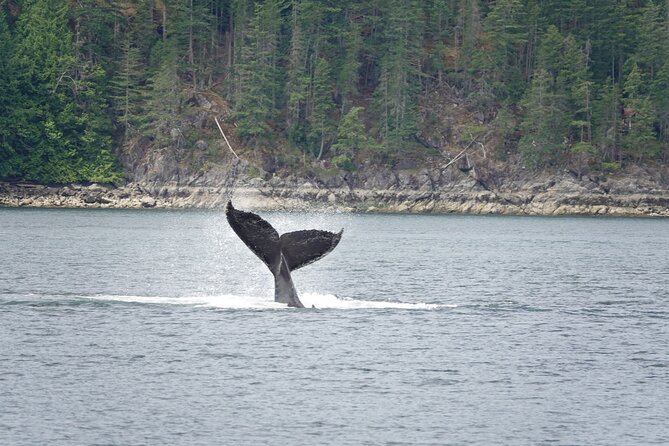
558, 82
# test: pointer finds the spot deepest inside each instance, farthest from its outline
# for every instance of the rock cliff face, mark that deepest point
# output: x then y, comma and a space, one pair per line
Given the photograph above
632, 193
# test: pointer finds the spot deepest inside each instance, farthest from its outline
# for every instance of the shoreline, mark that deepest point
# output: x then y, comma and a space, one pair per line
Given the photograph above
261, 196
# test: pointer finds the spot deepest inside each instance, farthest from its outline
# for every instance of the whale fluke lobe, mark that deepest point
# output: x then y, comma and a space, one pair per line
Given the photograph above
301, 248
256, 233
282, 254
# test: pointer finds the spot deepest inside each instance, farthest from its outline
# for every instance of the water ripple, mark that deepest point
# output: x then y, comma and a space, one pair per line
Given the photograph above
131, 327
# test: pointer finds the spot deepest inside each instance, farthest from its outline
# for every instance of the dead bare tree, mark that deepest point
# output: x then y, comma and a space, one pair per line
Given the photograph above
225, 138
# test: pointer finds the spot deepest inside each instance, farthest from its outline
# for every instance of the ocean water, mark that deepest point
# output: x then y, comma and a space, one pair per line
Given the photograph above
151, 327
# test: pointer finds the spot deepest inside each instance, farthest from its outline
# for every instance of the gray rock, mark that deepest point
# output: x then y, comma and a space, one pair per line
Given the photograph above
148, 202
90, 198
201, 145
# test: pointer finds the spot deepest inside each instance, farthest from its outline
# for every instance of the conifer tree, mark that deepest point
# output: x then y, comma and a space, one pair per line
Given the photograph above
350, 40
549, 55
297, 83
316, 28
399, 82
161, 108
351, 134
660, 99
439, 14
639, 140
321, 120
127, 91
8, 96
241, 12
256, 73
507, 35
542, 143
469, 26
190, 25
61, 128
94, 39
576, 74
652, 41
606, 122
610, 27
574, 80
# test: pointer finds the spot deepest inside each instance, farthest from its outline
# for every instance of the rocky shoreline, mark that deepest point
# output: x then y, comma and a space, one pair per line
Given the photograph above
555, 196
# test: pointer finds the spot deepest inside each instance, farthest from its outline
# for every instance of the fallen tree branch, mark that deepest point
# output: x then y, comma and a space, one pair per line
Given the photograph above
462, 152
459, 155
225, 138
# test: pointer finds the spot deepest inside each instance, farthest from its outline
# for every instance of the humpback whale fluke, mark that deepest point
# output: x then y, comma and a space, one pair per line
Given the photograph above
282, 254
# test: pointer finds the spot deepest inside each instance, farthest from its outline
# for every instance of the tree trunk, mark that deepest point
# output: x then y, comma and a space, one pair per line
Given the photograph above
191, 51
320, 152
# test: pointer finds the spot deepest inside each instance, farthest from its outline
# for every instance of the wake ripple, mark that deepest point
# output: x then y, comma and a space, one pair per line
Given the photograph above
230, 301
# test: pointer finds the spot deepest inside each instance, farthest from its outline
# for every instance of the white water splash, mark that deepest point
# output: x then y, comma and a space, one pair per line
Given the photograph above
229, 301
332, 301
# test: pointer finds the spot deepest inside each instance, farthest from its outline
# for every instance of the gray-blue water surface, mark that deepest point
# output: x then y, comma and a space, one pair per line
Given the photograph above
158, 327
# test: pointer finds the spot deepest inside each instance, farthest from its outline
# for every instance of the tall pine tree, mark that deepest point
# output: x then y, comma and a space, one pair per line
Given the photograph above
8, 100
639, 140
256, 73
396, 96
61, 132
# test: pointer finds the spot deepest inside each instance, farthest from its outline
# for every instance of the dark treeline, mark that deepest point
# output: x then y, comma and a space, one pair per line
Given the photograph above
559, 81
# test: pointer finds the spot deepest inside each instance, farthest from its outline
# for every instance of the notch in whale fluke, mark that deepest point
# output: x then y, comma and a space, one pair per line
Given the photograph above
281, 253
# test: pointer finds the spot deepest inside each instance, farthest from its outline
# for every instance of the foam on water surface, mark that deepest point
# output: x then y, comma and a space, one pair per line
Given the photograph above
230, 301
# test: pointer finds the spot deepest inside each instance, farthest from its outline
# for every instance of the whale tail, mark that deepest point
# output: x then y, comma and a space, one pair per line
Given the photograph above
281, 253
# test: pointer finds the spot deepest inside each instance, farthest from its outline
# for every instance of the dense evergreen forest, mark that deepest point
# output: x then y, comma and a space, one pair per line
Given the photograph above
579, 82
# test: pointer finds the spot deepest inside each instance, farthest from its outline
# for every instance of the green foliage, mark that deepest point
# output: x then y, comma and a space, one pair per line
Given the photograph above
395, 96
542, 143
343, 162
660, 99
60, 133
582, 154
469, 22
507, 34
575, 82
126, 89
610, 167
583, 149
607, 121
652, 40
321, 119
188, 27
161, 109
639, 140
8, 96
347, 73
256, 73
351, 135
505, 126
550, 51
